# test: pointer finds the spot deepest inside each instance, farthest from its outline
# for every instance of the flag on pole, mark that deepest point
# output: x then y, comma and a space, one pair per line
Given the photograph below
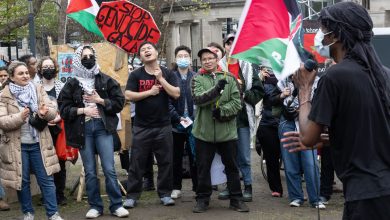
84, 12
270, 33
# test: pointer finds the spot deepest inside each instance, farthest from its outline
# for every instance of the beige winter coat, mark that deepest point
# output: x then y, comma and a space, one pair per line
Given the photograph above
10, 145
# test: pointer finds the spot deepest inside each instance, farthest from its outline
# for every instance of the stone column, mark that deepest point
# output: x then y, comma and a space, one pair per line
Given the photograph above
196, 42
387, 18
216, 31
185, 34
173, 42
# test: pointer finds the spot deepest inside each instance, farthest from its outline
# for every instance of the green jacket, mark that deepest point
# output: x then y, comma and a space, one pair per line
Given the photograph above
205, 96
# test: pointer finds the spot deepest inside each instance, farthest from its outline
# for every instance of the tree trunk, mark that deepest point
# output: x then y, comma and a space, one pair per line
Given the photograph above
21, 21
62, 22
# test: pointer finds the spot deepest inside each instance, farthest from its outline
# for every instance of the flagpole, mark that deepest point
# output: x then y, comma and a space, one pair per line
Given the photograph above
66, 23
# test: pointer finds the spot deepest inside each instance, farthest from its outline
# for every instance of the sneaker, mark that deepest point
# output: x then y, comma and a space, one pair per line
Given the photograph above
129, 203
238, 205
296, 203
175, 194
247, 194
276, 194
318, 205
4, 206
121, 212
324, 200
167, 201
148, 184
56, 216
224, 195
93, 213
200, 207
28, 216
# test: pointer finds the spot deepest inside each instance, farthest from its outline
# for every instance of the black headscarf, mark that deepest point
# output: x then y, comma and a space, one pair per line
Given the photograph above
352, 25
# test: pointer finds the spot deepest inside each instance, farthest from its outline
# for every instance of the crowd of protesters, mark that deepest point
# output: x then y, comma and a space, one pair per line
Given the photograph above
200, 114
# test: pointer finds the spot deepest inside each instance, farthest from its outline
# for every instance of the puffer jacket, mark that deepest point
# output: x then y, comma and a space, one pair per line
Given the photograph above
10, 134
205, 96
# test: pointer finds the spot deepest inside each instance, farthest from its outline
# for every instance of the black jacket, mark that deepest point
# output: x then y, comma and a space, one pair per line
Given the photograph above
70, 100
176, 107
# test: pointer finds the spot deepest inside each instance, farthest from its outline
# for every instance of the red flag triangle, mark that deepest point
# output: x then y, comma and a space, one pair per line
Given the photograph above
78, 5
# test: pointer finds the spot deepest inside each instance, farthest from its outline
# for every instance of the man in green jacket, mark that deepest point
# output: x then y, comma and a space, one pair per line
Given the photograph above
218, 101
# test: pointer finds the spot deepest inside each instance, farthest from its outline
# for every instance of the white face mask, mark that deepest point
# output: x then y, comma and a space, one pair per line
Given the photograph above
324, 51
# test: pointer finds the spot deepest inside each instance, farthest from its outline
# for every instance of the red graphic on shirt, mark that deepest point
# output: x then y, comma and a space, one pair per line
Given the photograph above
145, 85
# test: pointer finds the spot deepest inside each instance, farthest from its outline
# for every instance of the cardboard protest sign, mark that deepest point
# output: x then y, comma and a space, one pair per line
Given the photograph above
126, 24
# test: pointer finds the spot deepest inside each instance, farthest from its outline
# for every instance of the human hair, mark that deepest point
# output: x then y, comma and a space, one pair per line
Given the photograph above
352, 26
26, 58
2, 68
144, 43
217, 45
182, 47
40, 63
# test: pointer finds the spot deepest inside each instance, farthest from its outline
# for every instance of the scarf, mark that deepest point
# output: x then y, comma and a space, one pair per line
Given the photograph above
79, 69
203, 71
26, 96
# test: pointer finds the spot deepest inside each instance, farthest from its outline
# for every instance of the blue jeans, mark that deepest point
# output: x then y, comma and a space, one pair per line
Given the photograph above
32, 161
295, 163
99, 142
244, 154
2, 193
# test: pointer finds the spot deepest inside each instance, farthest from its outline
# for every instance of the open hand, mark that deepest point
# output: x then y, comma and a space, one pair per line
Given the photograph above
292, 141
91, 112
93, 98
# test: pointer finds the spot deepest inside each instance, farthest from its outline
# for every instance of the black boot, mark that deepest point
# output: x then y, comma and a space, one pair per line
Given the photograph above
247, 194
200, 207
238, 205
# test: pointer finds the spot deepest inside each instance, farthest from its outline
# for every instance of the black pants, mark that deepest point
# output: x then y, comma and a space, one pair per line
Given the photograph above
149, 174
327, 173
205, 152
376, 208
270, 143
179, 144
158, 141
60, 181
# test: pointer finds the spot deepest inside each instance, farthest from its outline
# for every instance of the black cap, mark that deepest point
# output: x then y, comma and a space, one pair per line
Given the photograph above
228, 37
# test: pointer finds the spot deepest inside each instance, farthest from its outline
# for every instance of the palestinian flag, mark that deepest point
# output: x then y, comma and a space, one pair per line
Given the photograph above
84, 12
270, 33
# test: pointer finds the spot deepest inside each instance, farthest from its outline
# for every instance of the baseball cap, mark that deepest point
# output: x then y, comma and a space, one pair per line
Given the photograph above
206, 49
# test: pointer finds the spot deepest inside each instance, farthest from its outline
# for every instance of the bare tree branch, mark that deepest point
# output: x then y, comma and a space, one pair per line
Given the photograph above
21, 20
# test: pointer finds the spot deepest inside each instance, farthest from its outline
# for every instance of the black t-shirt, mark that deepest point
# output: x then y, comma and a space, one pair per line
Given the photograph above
348, 103
152, 111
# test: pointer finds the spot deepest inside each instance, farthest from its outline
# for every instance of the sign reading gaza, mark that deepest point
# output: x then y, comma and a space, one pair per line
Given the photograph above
127, 25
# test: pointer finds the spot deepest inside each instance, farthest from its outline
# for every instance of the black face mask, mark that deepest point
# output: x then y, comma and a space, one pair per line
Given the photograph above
88, 62
48, 73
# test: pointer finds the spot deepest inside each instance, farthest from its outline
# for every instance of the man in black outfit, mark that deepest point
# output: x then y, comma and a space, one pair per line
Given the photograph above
353, 100
150, 87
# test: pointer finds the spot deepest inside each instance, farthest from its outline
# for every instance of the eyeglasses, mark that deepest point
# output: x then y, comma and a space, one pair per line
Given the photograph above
206, 60
183, 56
229, 43
48, 67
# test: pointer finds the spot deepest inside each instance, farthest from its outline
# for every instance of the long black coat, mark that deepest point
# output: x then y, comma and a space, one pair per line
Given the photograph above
71, 99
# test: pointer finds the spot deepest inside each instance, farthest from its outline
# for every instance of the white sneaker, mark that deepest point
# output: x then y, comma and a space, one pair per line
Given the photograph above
121, 212
319, 205
56, 216
28, 216
93, 213
175, 194
296, 203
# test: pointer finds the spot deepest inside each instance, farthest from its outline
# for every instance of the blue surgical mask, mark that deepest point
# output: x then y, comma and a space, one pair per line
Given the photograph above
324, 51
183, 63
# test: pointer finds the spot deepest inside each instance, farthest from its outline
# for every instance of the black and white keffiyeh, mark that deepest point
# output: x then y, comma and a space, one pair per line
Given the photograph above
26, 96
79, 69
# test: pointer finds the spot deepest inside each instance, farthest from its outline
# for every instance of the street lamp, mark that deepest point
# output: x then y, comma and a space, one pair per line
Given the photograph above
31, 29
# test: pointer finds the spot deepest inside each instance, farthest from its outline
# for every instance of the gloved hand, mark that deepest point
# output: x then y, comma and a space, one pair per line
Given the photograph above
221, 84
216, 113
